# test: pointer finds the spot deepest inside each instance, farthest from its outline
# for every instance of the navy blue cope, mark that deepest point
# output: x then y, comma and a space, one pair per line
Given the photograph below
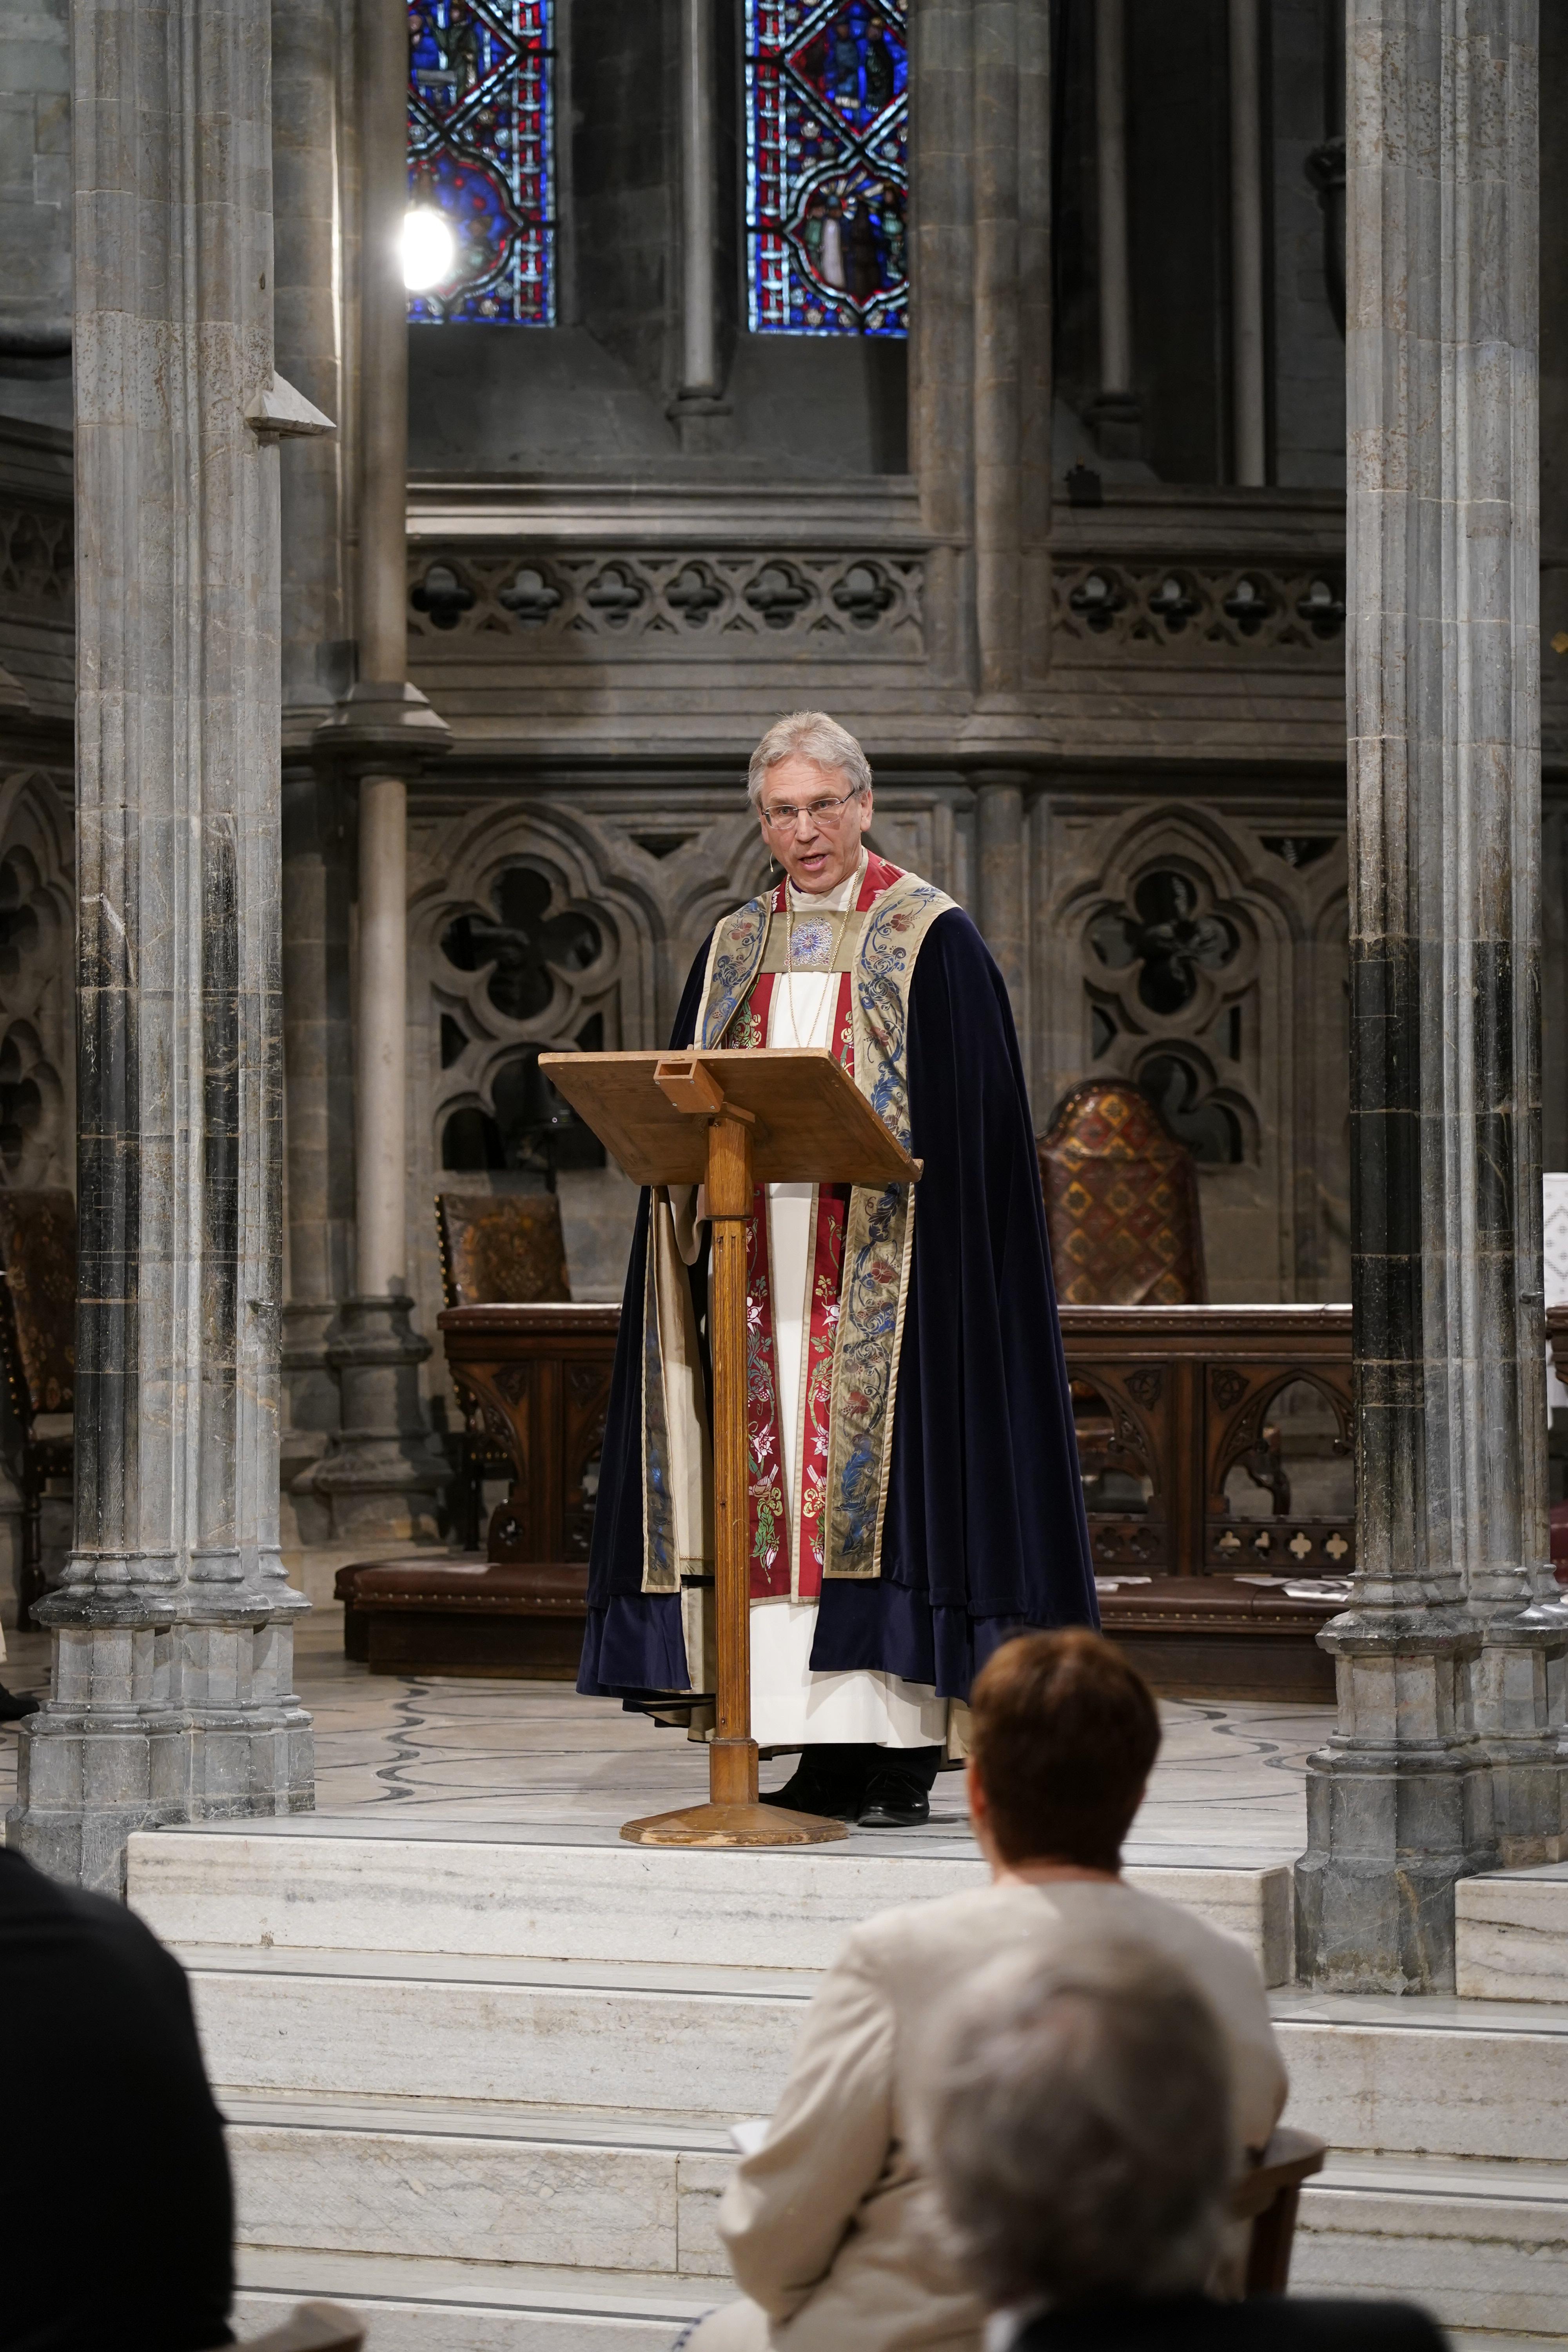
984, 1531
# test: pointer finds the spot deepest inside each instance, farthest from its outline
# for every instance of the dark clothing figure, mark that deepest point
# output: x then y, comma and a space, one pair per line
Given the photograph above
846, 66
879, 70
114, 2177
865, 260
1192, 2323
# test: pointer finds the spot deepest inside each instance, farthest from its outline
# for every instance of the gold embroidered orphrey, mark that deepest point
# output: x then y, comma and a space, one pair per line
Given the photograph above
885, 940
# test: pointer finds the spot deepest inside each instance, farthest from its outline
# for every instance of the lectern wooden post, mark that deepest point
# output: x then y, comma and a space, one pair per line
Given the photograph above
729, 1122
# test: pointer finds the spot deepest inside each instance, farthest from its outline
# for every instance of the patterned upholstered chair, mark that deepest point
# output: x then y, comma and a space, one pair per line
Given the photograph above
37, 1348
1122, 1201
503, 1250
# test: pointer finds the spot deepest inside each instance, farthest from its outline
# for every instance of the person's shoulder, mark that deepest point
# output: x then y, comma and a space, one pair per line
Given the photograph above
1156, 1919
916, 1935
35, 1906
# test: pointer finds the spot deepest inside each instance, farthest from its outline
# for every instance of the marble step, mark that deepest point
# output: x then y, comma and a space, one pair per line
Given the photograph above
1511, 1935
477, 2182
711, 2042
454, 2241
1440, 2076
414, 2305
586, 1898
1446, 2076
1484, 2246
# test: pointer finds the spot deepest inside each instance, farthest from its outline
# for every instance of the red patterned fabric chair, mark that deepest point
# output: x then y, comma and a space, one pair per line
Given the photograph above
1122, 1201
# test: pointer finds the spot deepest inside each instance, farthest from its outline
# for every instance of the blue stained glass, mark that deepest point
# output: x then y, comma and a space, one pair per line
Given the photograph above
828, 117
482, 150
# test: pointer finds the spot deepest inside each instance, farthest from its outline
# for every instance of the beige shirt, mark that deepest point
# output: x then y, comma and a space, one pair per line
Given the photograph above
831, 2226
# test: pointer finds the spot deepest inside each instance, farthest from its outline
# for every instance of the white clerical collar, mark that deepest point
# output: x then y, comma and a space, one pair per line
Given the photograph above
831, 902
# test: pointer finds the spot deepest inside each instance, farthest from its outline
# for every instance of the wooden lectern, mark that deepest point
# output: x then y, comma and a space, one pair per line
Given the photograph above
729, 1121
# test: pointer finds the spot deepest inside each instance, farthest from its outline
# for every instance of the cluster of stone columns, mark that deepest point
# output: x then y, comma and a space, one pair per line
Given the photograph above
1449, 1751
171, 1694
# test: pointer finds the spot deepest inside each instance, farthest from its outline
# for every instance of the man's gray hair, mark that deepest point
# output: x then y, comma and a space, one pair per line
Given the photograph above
808, 735
1081, 2142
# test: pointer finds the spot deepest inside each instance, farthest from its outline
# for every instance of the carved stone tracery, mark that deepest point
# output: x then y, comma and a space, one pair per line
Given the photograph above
1187, 611
711, 601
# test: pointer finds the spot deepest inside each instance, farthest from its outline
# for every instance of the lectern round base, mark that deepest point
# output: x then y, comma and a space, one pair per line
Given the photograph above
733, 1825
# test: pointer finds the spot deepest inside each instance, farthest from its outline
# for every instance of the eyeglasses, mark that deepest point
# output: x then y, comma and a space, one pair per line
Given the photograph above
785, 819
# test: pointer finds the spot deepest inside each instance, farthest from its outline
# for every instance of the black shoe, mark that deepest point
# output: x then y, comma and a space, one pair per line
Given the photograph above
13, 1708
893, 1802
827, 1781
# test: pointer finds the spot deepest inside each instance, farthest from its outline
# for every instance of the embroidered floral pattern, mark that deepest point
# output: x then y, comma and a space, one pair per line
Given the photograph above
878, 1237
816, 1421
738, 946
770, 1564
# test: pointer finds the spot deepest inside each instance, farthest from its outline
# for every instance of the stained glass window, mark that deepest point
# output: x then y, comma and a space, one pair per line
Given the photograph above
481, 156
827, 119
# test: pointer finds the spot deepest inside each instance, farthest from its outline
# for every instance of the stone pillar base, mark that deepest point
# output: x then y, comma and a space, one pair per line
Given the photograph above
385, 1472
1517, 1704
204, 1727
1398, 1806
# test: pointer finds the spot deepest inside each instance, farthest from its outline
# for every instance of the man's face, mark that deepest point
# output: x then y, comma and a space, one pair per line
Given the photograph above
819, 843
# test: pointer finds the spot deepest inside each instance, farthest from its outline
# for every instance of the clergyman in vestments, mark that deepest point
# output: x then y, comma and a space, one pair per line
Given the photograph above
914, 1488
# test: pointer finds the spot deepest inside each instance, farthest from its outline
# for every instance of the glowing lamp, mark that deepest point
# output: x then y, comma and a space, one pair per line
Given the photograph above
430, 249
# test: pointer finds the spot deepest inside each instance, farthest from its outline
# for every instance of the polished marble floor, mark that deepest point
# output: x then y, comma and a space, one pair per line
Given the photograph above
394, 1755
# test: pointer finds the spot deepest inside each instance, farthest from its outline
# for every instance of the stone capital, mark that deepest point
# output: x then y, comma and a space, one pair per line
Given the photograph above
384, 728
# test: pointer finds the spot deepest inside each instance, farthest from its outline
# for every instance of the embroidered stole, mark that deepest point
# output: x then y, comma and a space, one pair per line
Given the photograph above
860, 1280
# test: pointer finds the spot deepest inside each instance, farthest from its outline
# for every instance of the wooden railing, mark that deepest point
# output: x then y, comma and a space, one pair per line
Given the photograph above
1177, 1400
1173, 1404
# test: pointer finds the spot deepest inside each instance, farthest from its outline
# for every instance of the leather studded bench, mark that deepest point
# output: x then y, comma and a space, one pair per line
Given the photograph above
521, 1621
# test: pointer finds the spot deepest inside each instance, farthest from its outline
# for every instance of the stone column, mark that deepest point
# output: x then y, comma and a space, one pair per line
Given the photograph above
170, 1696
312, 61
1249, 422
1011, 339
698, 407
1448, 1754
384, 1470
980, 374
941, 322
1000, 896
1114, 412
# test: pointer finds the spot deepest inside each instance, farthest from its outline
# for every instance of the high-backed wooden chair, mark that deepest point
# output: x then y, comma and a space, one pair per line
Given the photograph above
37, 1350
506, 1250
1122, 1201
502, 1250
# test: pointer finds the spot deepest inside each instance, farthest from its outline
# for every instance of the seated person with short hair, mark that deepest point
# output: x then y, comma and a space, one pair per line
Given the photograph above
830, 2225
1082, 2149
113, 2176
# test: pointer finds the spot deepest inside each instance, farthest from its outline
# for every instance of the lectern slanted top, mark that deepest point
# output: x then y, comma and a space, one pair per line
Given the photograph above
810, 1123
730, 1121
